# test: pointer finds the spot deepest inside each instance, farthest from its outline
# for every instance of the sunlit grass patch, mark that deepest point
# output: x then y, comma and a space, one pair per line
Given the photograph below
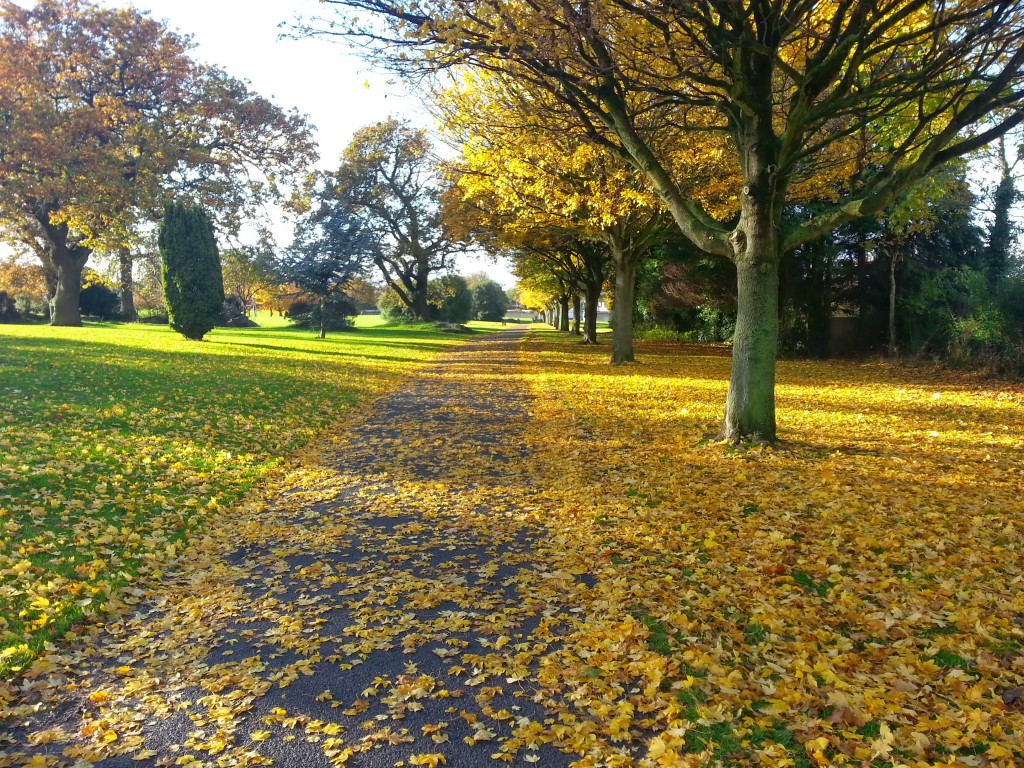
116, 440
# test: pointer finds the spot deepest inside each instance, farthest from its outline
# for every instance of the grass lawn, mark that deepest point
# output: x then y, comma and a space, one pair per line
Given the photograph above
115, 439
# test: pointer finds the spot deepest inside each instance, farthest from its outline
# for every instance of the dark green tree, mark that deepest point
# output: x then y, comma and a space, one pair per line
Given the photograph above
193, 286
332, 245
489, 301
450, 299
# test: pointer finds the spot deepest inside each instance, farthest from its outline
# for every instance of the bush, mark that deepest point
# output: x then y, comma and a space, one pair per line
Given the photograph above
8, 310
489, 301
232, 308
655, 332
193, 284
450, 299
100, 301
712, 325
393, 309
338, 311
981, 343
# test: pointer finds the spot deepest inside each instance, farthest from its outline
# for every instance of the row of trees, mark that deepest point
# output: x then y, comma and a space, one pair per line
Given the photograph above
732, 115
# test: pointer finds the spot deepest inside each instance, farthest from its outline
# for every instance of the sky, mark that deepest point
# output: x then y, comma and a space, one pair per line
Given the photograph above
323, 79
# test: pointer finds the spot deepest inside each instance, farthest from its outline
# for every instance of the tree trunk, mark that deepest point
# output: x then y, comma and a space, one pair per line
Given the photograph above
67, 261
576, 310
893, 345
323, 320
64, 309
625, 286
420, 306
750, 403
863, 278
590, 313
125, 263
563, 314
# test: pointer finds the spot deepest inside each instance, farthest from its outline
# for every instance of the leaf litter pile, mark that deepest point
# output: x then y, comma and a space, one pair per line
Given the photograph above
542, 561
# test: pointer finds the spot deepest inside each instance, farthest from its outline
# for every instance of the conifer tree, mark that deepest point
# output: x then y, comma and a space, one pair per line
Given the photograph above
191, 272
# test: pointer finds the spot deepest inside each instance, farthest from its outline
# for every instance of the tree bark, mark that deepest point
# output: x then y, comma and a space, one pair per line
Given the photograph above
323, 320
757, 252
563, 314
69, 261
625, 286
576, 309
125, 264
750, 403
590, 305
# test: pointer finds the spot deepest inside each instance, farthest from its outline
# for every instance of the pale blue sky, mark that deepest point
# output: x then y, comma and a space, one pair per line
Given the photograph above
320, 78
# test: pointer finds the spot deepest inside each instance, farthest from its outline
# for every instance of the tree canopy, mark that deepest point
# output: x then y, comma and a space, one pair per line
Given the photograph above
880, 94
106, 115
390, 177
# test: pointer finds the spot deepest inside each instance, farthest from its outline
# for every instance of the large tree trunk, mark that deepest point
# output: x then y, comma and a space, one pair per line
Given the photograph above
756, 247
576, 309
750, 403
563, 314
622, 315
125, 264
68, 260
420, 300
64, 309
593, 298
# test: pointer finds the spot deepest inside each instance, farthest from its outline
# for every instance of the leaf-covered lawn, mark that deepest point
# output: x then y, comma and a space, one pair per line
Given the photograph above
115, 440
413, 592
853, 598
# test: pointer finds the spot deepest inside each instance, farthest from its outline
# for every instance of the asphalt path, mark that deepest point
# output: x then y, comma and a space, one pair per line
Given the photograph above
389, 609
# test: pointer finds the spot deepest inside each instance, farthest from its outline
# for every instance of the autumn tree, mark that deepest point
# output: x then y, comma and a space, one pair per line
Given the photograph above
521, 181
23, 281
193, 286
105, 115
390, 178
249, 272
788, 82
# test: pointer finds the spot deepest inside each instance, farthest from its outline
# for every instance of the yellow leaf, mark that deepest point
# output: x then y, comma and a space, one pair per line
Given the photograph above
431, 760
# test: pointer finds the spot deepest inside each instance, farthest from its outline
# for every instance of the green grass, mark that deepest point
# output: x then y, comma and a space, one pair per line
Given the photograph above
116, 440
